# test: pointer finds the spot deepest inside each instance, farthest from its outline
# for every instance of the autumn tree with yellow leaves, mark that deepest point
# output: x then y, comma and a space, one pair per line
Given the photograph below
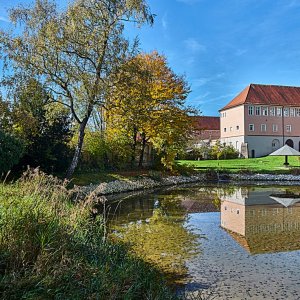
147, 104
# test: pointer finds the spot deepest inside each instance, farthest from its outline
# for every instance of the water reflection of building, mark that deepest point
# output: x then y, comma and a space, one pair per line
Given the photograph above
259, 222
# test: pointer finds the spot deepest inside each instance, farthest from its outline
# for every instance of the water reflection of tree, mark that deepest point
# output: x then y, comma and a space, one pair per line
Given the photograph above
163, 239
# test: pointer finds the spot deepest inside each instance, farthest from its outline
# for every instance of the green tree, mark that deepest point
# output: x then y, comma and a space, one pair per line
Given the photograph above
73, 52
44, 127
5, 115
11, 150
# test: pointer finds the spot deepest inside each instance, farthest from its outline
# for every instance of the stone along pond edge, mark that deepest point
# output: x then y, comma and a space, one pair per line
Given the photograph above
129, 185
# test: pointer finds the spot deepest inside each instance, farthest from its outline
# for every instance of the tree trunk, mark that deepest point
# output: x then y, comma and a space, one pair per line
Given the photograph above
78, 149
143, 145
133, 147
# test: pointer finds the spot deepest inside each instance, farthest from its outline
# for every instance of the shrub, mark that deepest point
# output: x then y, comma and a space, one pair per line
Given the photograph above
11, 150
222, 151
94, 151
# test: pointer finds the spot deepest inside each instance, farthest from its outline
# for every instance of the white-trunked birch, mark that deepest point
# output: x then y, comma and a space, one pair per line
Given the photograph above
72, 52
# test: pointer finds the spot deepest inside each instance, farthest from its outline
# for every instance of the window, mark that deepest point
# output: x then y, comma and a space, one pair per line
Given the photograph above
263, 127
264, 212
264, 111
257, 110
251, 127
237, 127
275, 144
278, 111
272, 111
225, 129
238, 211
297, 112
275, 127
286, 112
292, 112
288, 128
250, 110
230, 128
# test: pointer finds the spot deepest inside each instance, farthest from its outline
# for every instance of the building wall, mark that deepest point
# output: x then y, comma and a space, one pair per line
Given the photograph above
233, 217
263, 145
236, 141
229, 120
262, 133
269, 121
272, 218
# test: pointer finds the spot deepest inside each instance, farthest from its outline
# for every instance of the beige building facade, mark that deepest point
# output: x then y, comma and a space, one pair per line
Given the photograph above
261, 119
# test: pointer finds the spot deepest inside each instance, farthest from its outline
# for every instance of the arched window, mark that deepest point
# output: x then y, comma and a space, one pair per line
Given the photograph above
290, 143
275, 144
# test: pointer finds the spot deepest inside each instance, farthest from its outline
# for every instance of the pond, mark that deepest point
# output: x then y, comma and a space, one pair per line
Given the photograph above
217, 242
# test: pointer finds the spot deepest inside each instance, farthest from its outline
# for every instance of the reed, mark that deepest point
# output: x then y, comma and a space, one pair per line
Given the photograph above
52, 248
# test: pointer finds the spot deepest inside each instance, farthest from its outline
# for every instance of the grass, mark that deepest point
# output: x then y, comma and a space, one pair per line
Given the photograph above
268, 164
52, 248
86, 178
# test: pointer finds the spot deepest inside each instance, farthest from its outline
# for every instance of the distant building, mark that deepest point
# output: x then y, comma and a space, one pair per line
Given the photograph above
261, 119
207, 129
259, 223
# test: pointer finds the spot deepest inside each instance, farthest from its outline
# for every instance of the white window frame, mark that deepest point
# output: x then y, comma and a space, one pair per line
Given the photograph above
250, 110
251, 126
265, 111
286, 112
275, 128
288, 128
257, 110
263, 127
272, 111
278, 111
292, 112
297, 114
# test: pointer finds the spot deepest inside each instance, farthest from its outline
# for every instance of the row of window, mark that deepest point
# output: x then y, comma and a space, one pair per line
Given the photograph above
273, 111
231, 128
263, 128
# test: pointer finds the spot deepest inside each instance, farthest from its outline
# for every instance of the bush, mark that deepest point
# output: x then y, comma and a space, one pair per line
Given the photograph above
51, 248
11, 150
222, 151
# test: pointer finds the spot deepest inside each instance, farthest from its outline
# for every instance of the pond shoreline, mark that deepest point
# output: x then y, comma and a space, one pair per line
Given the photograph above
146, 183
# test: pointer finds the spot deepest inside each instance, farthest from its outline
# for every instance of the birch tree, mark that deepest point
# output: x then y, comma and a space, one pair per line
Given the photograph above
72, 52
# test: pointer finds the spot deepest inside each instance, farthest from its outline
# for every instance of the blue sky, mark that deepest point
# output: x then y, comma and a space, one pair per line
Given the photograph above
221, 46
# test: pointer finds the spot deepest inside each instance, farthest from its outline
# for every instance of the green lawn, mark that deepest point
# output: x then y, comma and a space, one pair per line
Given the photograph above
266, 164
87, 178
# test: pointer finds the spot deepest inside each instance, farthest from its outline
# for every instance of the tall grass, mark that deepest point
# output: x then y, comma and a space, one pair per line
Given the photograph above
52, 248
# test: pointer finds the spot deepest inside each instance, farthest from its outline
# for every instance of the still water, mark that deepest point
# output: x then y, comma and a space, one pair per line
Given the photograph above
220, 242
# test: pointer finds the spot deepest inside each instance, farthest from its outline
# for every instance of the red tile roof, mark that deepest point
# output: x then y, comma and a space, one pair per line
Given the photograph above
267, 95
207, 123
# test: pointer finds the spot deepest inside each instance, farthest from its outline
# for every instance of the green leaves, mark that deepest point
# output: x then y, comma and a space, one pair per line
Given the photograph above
72, 53
11, 150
